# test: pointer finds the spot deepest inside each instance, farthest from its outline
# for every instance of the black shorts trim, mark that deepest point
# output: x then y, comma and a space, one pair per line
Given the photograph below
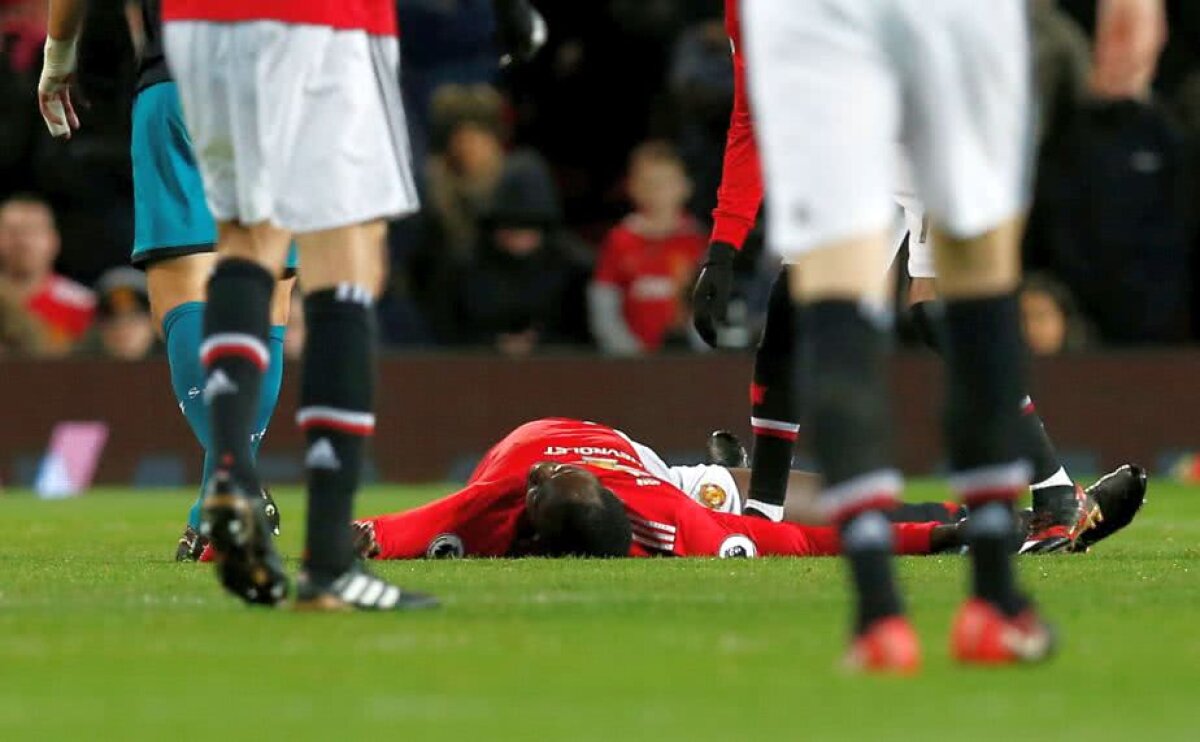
148, 258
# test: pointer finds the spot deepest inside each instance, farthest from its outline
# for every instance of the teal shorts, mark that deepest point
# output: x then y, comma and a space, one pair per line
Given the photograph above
170, 215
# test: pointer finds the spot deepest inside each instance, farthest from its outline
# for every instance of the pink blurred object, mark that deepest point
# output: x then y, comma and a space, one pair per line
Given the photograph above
71, 461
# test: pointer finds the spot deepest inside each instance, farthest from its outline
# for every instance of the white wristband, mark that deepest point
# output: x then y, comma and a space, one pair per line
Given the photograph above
59, 58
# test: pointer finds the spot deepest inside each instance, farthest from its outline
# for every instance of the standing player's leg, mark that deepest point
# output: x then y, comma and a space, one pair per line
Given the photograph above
774, 417
969, 129
174, 239
343, 271
236, 356
337, 393
828, 116
178, 284
1062, 508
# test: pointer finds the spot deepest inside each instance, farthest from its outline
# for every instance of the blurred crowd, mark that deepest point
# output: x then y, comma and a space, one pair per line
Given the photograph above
567, 204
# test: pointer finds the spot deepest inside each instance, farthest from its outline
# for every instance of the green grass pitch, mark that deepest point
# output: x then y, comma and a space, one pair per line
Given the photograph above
103, 637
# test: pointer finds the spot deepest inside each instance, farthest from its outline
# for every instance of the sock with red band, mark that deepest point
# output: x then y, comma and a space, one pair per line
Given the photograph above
773, 412
867, 547
843, 350
1053, 489
235, 355
336, 403
990, 531
983, 421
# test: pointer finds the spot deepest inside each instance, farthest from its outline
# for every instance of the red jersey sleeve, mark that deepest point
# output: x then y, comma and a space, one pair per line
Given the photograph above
608, 265
479, 520
741, 191
665, 521
795, 539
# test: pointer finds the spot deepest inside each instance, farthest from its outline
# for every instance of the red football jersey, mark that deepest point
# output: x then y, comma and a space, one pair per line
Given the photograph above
652, 274
485, 518
741, 191
373, 16
64, 308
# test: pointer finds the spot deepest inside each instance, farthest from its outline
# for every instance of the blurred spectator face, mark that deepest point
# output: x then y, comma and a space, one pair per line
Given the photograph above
475, 150
658, 186
1044, 321
519, 242
127, 330
127, 337
29, 240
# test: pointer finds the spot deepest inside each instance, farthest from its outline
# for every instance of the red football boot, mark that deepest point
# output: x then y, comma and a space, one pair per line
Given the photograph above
887, 646
983, 635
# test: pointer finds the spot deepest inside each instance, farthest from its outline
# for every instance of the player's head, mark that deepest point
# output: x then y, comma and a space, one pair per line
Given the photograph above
29, 239
573, 514
658, 180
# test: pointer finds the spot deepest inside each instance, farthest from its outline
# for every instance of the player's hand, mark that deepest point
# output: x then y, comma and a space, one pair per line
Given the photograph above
520, 30
710, 298
54, 88
1130, 35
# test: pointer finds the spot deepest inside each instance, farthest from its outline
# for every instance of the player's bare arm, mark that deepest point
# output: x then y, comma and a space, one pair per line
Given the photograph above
58, 67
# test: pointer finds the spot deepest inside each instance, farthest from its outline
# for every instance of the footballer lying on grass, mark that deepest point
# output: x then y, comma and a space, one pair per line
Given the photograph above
560, 487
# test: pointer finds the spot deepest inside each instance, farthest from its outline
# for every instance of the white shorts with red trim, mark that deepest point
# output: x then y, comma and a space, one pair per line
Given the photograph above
301, 126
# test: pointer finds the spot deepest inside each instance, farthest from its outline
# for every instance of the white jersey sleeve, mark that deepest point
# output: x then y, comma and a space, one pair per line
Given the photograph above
708, 485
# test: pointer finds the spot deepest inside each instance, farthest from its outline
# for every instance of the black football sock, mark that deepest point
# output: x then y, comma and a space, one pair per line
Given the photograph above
1053, 489
986, 379
336, 398
773, 412
237, 320
990, 532
843, 352
867, 547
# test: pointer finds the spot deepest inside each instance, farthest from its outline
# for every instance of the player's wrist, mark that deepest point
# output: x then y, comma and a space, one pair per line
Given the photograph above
720, 253
58, 57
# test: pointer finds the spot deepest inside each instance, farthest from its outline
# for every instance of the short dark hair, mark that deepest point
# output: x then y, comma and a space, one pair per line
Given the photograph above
592, 523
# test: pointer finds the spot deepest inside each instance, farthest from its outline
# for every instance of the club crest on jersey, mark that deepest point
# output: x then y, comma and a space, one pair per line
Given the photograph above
713, 496
445, 546
737, 547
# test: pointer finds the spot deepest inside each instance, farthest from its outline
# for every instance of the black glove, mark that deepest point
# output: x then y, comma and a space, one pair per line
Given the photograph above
520, 30
710, 298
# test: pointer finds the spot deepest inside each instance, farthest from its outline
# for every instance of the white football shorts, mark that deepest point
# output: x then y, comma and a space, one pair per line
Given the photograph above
837, 83
298, 125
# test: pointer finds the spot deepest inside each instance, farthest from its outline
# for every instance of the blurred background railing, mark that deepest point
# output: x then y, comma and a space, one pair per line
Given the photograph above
438, 412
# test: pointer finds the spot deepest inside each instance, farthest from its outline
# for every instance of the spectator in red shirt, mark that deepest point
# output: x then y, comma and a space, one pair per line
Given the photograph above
647, 262
29, 244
